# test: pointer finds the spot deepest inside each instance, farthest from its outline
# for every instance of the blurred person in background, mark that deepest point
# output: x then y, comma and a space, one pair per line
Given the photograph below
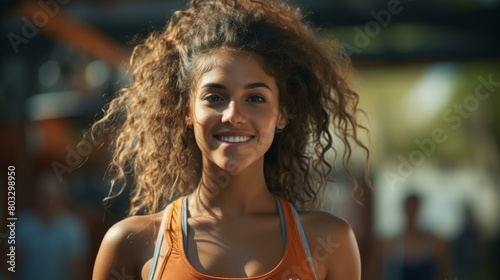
53, 242
413, 255
469, 249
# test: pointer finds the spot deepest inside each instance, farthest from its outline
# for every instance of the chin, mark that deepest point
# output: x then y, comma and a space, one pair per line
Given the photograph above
234, 167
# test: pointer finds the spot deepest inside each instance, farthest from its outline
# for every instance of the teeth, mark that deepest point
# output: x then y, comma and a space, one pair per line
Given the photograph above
234, 139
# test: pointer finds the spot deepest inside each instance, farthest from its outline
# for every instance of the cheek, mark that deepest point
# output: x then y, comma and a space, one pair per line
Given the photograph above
204, 117
204, 120
267, 126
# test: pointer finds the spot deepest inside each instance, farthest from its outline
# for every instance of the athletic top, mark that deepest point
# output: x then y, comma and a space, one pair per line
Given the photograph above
296, 263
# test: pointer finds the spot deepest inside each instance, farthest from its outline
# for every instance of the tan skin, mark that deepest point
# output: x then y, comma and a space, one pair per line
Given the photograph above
233, 228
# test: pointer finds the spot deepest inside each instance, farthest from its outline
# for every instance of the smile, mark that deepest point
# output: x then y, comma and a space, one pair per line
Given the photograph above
233, 139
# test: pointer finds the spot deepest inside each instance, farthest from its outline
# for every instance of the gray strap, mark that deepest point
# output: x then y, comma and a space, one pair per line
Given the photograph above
184, 223
282, 220
159, 242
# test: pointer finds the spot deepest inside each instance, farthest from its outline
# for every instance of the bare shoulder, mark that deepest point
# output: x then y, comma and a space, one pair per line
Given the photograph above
332, 245
126, 247
320, 223
132, 232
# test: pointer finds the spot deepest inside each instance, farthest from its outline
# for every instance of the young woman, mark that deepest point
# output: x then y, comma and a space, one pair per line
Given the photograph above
225, 130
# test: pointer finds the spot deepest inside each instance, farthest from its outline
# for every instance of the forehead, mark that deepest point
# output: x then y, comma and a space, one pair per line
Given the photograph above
229, 61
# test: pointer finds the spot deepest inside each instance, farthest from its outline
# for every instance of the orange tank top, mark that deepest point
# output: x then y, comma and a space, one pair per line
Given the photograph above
296, 263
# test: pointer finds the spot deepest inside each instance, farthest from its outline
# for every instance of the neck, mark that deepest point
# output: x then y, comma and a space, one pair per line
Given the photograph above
223, 194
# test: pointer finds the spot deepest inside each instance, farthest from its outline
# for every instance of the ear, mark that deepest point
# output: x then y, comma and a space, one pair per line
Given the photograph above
282, 118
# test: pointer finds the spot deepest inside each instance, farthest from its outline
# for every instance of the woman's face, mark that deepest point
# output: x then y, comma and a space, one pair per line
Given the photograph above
235, 111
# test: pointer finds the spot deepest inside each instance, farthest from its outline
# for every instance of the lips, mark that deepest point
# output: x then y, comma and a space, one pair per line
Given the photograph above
233, 139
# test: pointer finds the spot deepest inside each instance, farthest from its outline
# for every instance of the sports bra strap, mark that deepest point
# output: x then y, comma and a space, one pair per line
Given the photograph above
184, 222
159, 242
282, 219
303, 238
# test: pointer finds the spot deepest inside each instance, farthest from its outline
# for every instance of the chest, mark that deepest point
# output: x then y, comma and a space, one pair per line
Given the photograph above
239, 248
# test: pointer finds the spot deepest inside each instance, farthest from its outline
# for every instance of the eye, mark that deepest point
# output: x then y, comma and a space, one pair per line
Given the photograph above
211, 98
256, 99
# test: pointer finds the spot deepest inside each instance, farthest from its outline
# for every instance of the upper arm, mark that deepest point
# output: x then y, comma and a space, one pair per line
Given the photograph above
345, 263
333, 247
121, 251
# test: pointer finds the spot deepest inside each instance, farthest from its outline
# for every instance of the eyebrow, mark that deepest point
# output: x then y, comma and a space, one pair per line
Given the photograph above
247, 86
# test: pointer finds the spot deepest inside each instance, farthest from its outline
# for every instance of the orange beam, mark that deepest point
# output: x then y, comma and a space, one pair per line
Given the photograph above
56, 25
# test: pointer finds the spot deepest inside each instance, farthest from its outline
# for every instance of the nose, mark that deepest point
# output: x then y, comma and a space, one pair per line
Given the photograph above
234, 113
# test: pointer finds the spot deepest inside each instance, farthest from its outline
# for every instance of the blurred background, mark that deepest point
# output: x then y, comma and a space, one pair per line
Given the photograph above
428, 76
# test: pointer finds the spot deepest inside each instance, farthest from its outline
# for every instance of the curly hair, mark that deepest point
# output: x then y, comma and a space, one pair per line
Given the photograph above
152, 141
